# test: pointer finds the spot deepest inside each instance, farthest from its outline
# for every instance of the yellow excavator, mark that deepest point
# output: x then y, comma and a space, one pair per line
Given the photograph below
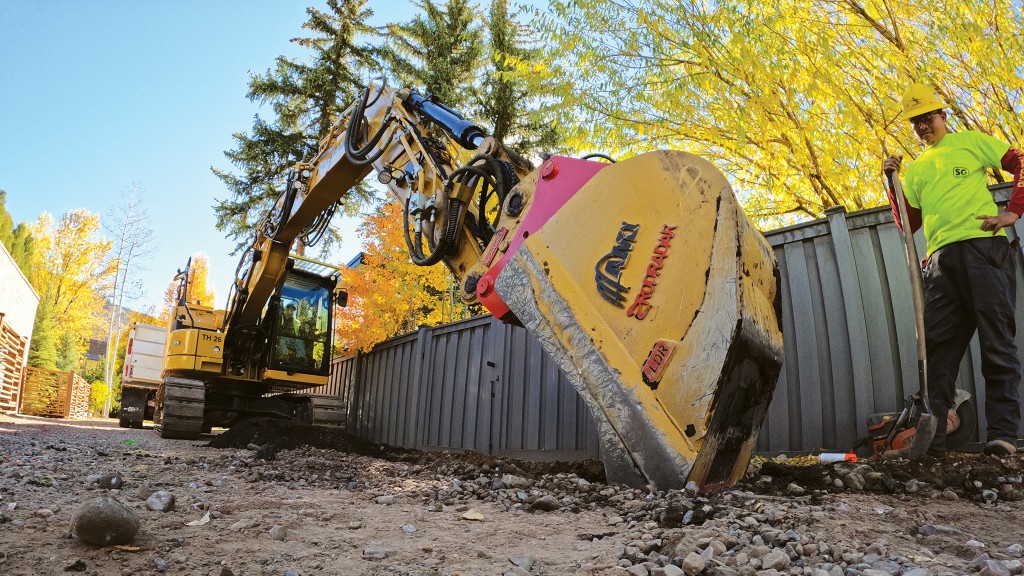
642, 278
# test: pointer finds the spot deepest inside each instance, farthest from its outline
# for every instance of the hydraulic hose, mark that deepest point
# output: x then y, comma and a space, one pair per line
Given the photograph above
454, 212
357, 125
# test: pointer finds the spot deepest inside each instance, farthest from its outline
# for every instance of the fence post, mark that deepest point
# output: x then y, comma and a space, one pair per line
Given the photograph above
498, 362
68, 397
355, 395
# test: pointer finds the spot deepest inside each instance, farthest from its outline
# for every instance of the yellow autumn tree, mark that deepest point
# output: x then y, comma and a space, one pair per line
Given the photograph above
388, 294
199, 291
795, 100
74, 270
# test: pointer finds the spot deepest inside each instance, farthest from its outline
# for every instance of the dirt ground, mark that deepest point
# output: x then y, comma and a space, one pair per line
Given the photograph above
279, 499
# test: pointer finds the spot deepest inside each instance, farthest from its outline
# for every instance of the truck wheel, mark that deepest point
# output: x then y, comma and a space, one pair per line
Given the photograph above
124, 423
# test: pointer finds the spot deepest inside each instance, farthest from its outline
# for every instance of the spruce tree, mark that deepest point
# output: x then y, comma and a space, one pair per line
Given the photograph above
17, 239
439, 52
68, 357
42, 351
6, 222
506, 104
306, 98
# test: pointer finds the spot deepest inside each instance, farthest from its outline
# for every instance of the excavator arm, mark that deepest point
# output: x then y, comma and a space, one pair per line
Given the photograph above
643, 278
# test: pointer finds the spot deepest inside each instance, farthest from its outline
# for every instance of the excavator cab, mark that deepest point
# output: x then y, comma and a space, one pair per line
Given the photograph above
300, 338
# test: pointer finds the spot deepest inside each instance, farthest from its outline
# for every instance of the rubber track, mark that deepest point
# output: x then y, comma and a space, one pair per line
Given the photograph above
183, 408
329, 411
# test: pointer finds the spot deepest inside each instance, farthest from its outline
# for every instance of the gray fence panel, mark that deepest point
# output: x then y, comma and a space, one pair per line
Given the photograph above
382, 411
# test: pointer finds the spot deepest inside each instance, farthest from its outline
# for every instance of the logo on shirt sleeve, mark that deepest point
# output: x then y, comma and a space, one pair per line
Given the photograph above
960, 172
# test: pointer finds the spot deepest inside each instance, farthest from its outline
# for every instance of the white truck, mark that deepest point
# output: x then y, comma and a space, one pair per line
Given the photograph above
143, 363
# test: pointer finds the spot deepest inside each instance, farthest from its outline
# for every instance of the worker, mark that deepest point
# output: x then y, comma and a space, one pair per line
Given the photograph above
288, 322
969, 280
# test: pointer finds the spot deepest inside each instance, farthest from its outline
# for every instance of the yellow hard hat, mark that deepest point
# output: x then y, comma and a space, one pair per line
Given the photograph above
920, 99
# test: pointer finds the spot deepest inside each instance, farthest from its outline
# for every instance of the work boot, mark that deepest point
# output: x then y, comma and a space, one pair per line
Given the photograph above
896, 454
1000, 448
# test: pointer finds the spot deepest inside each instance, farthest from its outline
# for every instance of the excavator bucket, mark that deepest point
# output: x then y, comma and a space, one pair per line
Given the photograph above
659, 299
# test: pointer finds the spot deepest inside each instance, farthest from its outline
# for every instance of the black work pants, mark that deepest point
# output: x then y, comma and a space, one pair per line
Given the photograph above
970, 285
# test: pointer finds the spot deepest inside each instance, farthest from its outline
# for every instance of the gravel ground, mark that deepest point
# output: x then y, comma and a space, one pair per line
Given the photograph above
255, 500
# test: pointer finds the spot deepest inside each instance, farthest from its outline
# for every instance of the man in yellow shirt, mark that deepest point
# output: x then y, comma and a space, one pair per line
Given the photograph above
969, 279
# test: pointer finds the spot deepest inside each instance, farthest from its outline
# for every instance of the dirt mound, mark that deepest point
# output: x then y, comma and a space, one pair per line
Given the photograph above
273, 435
961, 472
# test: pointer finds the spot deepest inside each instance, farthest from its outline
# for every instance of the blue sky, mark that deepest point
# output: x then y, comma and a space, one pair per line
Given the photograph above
98, 95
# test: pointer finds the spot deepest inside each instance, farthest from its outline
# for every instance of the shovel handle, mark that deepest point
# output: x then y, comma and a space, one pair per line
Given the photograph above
916, 288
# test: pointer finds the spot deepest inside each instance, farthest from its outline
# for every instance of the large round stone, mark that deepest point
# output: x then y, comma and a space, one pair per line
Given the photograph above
105, 522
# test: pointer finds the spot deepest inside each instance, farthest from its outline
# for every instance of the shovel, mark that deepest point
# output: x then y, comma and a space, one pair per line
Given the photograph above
927, 423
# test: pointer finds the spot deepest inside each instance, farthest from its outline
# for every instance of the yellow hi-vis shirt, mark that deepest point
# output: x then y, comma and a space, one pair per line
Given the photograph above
949, 183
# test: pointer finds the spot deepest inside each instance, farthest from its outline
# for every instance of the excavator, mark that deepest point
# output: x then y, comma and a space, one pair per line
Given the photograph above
642, 278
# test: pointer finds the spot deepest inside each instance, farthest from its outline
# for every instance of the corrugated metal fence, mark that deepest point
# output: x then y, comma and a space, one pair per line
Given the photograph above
475, 385
850, 350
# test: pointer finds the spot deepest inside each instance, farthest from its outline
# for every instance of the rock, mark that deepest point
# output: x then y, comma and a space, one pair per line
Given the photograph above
105, 522
42, 513
278, 532
716, 548
795, 489
694, 564
160, 501
524, 562
472, 515
668, 570
77, 566
546, 503
854, 481
385, 500
943, 530
356, 525
291, 573
145, 491
160, 564
994, 568
374, 553
243, 524
775, 560
408, 528
691, 488
513, 481
111, 481
989, 496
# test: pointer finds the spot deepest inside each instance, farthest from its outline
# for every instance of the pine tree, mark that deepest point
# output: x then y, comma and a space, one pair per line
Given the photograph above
439, 52
6, 222
17, 239
306, 98
68, 352
42, 352
506, 103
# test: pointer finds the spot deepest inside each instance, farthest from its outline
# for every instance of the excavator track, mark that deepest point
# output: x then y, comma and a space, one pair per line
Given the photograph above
181, 408
329, 411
